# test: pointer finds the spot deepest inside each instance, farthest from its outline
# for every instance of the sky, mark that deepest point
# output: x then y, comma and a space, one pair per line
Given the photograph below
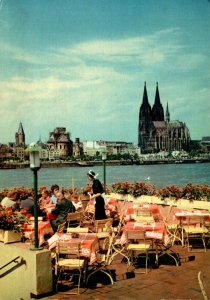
82, 64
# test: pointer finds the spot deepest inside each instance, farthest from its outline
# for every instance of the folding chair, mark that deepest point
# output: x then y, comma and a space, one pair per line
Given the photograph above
143, 215
103, 261
69, 264
88, 216
137, 242
192, 234
74, 219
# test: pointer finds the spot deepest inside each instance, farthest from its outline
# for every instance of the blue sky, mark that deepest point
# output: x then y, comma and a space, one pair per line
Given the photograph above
82, 65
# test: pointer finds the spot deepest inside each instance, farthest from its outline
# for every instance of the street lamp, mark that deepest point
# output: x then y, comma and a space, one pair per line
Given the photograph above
35, 166
104, 157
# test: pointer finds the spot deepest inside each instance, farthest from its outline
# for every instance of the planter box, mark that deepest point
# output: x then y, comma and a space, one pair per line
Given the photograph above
9, 236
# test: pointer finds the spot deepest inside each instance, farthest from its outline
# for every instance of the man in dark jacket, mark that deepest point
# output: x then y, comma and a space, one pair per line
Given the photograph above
63, 207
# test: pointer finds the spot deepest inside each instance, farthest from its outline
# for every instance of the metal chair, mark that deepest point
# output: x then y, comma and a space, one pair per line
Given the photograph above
103, 261
69, 264
137, 242
74, 219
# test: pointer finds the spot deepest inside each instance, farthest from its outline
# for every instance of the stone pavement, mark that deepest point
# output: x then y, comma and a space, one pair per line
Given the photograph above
167, 282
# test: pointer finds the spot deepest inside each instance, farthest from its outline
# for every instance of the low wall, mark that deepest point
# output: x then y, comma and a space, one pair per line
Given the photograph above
181, 203
32, 275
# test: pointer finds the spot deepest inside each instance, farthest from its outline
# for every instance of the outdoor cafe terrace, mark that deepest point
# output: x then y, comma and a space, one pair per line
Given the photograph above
146, 246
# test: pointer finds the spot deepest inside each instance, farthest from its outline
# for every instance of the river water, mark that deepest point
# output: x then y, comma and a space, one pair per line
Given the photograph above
159, 175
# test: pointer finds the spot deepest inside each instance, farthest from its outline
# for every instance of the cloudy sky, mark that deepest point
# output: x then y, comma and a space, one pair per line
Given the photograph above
82, 64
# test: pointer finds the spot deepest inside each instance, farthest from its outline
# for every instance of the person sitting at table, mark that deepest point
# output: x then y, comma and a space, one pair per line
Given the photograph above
96, 196
45, 201
63, 207
54, 190
74, 199
28, 203
10, 200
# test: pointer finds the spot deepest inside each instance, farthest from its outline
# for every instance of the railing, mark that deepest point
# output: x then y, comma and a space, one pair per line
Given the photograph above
17, 260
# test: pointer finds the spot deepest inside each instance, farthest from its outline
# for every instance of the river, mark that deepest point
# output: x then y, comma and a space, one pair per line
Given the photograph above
159, 175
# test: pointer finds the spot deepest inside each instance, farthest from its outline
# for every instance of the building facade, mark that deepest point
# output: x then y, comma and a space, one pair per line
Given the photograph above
60, 143
156, 131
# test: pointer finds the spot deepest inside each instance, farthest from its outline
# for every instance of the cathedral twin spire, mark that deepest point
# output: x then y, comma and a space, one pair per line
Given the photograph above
156, 113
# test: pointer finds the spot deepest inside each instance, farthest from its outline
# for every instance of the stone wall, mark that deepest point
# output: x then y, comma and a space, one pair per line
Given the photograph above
181, 203
32, 274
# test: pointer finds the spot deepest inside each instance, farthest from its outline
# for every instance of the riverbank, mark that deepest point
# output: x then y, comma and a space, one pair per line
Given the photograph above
60, 164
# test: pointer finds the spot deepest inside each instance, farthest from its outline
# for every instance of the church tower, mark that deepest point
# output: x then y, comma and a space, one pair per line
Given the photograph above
157, 109
167, 114
20, 136
145, 121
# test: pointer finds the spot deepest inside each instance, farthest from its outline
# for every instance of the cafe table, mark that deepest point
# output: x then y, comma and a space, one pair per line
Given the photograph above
153, 208
155, 231
89, 243
44, 227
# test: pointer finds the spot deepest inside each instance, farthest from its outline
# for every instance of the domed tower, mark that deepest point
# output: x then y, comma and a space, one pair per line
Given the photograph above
146, 126
157, 110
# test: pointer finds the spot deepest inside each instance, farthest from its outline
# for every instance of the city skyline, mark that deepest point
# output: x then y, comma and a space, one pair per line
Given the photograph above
82, 65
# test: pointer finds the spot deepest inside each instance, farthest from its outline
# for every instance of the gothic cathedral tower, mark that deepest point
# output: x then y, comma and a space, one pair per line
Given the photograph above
145, 122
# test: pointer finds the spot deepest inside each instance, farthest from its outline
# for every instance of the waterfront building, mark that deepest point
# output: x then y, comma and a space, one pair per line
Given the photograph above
77, 148
156, 131
60, 142
205, 143
91, 148
44, 152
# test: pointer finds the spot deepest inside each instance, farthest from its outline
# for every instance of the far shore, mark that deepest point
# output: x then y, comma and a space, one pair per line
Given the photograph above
60, 163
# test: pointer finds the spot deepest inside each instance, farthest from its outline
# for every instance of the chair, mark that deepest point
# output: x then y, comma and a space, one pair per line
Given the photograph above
143, 215
61, 228
69, 263
88, 216
137, 242
103, 228
193, 233
74, 219
103, 261
174, 232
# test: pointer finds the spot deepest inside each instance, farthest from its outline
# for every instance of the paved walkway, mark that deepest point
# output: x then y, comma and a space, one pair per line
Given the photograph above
167, 282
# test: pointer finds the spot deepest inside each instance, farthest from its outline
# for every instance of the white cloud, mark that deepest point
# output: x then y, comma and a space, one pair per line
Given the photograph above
98, 84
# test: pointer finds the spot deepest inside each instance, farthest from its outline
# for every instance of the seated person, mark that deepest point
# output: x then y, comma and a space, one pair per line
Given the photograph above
10, 200
28, 203
74, 199
63, 207
45, 201
54, 191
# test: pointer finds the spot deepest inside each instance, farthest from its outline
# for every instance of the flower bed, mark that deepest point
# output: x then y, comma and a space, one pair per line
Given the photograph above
13, 220
136, 189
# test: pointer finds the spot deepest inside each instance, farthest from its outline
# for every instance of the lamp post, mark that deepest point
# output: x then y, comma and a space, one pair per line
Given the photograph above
35, 166
104, 157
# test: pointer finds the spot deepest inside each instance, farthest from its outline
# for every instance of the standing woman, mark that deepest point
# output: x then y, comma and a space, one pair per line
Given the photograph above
97, 191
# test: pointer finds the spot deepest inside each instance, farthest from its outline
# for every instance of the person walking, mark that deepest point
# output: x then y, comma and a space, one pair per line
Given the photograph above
96, 195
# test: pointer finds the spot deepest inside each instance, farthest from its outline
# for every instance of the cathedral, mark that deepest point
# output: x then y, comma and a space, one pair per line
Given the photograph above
156, 131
